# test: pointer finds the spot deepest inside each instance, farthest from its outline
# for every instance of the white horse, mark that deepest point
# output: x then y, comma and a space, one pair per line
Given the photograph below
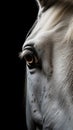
48, 52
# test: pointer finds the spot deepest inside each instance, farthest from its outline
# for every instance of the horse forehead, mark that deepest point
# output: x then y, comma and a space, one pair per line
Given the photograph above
51, 25
47, 24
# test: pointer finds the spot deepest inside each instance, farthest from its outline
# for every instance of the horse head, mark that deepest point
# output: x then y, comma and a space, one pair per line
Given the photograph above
48, 52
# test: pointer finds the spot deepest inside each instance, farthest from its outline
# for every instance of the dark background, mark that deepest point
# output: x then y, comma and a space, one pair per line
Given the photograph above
25, 15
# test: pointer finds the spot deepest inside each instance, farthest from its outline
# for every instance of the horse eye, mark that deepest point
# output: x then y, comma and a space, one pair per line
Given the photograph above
31, 60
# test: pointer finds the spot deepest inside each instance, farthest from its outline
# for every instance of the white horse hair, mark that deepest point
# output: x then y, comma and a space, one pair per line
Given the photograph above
48, 52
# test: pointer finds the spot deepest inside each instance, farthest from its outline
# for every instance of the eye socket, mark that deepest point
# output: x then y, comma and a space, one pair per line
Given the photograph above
31, 59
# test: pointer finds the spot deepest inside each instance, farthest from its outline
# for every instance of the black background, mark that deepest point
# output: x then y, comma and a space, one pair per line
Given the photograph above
25, 15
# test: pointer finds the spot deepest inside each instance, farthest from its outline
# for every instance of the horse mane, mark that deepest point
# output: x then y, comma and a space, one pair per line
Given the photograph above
42, 3
69, 34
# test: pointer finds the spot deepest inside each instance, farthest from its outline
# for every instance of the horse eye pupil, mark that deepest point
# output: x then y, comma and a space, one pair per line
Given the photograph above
29, 59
